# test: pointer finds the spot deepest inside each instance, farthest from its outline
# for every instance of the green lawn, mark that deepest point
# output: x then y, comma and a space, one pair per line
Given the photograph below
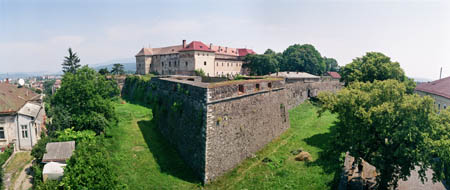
145, 160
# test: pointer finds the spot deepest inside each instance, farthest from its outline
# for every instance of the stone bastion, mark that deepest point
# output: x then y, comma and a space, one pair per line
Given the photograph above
216, 125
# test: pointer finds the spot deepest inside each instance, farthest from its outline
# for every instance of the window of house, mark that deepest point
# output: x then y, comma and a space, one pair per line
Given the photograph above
2, 133
445, 106
439, 106
217, 64
24, 131
204, 63
162, 63
228, 64
186, 63
222, 64
269, 85
241, 89
169, 64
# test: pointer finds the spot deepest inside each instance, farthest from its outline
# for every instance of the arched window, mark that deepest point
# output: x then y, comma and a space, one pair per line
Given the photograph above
204, 63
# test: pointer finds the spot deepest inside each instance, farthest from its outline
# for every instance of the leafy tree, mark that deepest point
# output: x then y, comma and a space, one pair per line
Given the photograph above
372, 66
118, 69
70, 135
48, 87
71, 63
90, 167
84, 101
39, 149
304, 58
440, 147
262, 64
382, 124
331, 64
199, 72
103, 71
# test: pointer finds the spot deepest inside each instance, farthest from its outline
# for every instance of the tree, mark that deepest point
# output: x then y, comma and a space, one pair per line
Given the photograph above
103, 71
382, 124
84, 101
331, 64
48, 87
118, 69
262, 64
440, 147
372, 66
199, 72
304, 58
71, 62
90, 167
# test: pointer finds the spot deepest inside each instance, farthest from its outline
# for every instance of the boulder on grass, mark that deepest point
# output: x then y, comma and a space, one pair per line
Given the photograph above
303, 156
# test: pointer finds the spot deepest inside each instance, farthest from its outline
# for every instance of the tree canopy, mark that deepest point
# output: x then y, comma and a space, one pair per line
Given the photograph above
118, 69
331, 64
84, 101
103, 71
71, 63
384, 125
262, 64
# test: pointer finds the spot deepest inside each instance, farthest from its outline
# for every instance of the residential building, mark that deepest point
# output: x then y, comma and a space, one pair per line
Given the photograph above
21, 116
439, 90
185, 59
55, 158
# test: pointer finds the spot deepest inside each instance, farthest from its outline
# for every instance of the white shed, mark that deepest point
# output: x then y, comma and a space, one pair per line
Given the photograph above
53, 171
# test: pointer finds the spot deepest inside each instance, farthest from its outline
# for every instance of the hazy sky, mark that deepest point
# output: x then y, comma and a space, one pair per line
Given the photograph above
35, 35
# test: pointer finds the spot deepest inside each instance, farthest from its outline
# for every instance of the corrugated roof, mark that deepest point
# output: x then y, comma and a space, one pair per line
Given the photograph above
12, 98
58, 151
439, 87
294, 75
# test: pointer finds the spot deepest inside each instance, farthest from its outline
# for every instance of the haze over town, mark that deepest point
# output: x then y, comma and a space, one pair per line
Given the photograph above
35, 35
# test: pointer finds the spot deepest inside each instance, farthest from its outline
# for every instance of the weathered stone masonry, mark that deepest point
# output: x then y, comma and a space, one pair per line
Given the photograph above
215, 126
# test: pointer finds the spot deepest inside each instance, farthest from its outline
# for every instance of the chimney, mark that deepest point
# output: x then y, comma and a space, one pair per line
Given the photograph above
184, 43
440, 75
226, 49
210, 45
7, 81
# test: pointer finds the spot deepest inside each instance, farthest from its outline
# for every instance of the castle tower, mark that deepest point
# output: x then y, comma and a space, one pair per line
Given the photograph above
143, 61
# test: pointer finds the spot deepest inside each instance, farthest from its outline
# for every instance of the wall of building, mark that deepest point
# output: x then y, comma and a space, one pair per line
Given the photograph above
205, 62
225, 67
240, 124
439, 101
10, 129
143, 64
297, 91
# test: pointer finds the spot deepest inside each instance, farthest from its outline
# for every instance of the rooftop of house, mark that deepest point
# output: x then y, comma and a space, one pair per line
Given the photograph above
30, 109
195, 46
290, 75
333, 74
58, 151
439, 87
12, 97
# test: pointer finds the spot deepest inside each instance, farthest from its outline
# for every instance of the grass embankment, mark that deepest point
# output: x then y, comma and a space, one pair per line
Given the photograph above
145, 160
16, 165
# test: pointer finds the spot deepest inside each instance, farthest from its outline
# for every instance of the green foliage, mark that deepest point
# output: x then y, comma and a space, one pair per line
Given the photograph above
48, 87
372, 66
90, 167
39, 149
331, 64
303, 58
262, 64
440, 147
84, 101
199, 72
3, 157
71, 63
382, 124
70, 135
118, 69
103, 71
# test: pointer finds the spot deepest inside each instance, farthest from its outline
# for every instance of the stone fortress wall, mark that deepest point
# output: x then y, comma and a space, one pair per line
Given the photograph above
215, 126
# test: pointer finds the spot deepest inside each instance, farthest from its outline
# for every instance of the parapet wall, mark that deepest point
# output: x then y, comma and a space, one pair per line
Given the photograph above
215, 126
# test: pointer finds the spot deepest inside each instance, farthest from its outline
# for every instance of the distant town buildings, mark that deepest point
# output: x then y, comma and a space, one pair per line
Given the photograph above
439, 90
21, 116
184, 59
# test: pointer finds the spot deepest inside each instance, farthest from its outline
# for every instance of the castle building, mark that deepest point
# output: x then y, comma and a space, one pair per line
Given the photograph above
186, 59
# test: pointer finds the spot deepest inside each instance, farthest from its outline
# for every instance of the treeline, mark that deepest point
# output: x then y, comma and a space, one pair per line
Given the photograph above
382, 121
81, 110
302, 58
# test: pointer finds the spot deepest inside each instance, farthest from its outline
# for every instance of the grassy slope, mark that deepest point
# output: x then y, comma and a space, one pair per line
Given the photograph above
146, 161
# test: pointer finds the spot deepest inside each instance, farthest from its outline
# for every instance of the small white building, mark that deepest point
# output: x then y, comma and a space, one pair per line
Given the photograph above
56, 157
22, 116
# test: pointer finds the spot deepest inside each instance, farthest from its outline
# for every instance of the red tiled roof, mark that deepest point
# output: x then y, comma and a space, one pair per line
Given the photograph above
245, 51
145, 51
196, 46
439, 87
333, 74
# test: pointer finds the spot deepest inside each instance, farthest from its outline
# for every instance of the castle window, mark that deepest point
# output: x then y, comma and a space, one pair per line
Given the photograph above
241, 89
204, 63
228, 64
257, 87
169, 64
222, 64
162, 63
269, 85
217, 64
186, 63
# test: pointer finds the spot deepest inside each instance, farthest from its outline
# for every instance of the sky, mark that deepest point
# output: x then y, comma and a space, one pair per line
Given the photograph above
35, 34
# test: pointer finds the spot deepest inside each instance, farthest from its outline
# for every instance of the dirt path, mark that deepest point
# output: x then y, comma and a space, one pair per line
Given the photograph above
23, 182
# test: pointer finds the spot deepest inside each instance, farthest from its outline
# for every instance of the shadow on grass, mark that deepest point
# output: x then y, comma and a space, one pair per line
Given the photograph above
329, 158
165, 154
